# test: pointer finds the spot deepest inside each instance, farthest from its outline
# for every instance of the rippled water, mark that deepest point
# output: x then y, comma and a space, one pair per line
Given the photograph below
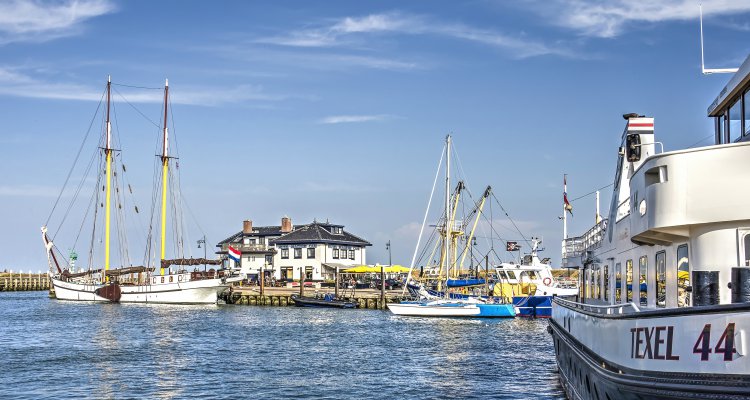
54, 349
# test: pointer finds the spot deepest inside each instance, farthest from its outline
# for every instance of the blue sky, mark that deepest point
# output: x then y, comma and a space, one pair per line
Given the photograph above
338, 110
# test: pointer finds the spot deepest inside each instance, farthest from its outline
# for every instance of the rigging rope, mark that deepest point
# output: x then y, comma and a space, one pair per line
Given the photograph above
75, 161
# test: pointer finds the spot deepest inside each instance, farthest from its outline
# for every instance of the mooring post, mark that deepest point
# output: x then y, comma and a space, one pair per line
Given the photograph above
301, 283
336, 282
382, 285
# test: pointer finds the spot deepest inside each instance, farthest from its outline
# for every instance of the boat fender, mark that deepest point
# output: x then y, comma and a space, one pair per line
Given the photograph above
547, 281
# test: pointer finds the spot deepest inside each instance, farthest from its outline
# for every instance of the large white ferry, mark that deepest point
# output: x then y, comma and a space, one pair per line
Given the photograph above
664, 302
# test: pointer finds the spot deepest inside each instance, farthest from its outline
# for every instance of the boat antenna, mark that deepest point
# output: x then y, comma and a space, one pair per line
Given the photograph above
703, 65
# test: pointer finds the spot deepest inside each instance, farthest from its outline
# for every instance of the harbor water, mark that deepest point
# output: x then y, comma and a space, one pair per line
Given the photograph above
55, 349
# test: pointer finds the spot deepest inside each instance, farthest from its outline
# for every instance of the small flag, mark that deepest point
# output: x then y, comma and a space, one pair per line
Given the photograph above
234, 254
567, 205
512, 246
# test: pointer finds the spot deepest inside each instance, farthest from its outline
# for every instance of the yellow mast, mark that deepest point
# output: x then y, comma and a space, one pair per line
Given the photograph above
454, 234
165, 176
108, 153
474, 227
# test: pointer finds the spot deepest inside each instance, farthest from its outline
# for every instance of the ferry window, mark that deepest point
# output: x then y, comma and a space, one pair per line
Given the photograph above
747, 250
595, 284
642, 284
661, 279
618, 283
746, 102
721, 126
735, 120
311, 252
683, 276
629, 279
606, 282
297, 253
284, 253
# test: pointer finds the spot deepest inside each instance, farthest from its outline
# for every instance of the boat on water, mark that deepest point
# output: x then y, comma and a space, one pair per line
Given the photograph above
530, 284
430, 305
663, 310
156, 281
327, 301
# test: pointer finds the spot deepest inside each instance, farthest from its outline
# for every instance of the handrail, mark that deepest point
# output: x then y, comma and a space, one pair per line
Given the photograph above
608, 309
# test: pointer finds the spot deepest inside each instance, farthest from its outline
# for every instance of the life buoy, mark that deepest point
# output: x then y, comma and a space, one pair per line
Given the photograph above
547, 281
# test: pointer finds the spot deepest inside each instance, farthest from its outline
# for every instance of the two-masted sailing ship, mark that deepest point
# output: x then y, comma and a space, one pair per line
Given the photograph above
159, 280
664, 305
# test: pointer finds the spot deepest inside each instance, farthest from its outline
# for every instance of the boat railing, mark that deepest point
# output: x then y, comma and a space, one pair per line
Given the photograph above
592, 239
598, 309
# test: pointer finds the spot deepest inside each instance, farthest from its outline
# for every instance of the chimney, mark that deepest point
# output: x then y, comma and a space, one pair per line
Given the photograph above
247, 227
286, 224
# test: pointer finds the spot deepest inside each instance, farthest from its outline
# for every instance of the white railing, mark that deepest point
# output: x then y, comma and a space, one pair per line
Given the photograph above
592, 239
607, 310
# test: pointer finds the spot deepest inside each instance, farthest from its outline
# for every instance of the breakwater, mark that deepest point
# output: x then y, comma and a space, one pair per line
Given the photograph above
16, 282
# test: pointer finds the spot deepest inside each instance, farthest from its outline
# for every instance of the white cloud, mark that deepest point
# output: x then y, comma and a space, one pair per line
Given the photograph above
19, 84
611, 18
340, 119
344, 31
334, 188
34, 20
28, 191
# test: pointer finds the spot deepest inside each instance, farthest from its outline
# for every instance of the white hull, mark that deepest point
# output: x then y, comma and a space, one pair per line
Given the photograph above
435, 309
204, 291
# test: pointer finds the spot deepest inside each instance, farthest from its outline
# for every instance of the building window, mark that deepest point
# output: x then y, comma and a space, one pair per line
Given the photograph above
262, 240
309, 273
606, 282
336, 254
661, 279
297, 253
284, 253
287, 273
618, 283
351, 254
683, 276
629, 279
735, 121
642, 284
311, 252
269, 259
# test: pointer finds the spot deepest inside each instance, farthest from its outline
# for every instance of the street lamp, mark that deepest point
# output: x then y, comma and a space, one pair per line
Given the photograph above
471, 250
388, 247
203, 241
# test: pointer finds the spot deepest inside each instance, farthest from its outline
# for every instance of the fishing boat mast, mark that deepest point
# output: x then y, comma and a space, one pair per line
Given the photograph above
164, 177
108, 155
448, 232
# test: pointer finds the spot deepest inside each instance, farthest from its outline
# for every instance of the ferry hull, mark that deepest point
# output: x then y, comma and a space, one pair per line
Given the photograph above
193, 292
623, 358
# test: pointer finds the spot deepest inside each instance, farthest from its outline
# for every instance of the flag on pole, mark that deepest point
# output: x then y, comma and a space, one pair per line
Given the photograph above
234, 254
566, 204
512, 246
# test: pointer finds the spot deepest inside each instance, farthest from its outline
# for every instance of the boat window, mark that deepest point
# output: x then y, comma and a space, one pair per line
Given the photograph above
746, 119
629, 279
735, 120
511, 274
642, 284
606, 282
661, 279
533, 275
683, 276
747, 250
171, 278
595, 285
618, 283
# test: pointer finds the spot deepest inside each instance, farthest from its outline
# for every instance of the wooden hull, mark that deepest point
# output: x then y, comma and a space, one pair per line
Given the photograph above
204, 291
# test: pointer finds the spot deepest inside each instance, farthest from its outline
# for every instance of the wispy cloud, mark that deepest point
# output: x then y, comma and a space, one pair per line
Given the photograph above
342, 119
28, 191
611, 18
346, 31
334, 188
34, 20
15, 82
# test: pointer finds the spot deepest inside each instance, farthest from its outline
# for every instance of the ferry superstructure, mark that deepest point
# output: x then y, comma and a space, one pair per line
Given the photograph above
663, 307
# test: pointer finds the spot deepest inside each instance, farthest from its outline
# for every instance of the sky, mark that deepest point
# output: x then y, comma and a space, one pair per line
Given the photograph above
338, 110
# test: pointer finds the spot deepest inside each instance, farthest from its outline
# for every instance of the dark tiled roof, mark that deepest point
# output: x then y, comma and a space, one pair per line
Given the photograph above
317, 232
257, 231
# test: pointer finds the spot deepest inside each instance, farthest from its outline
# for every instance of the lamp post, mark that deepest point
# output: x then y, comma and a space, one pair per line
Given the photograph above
203, 241
388, 247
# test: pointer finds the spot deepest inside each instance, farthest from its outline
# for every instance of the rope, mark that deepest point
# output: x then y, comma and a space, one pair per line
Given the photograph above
136, 109
592, 192
75, 161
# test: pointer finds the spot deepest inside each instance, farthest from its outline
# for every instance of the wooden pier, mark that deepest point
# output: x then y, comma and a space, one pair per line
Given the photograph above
16, 282
366, 299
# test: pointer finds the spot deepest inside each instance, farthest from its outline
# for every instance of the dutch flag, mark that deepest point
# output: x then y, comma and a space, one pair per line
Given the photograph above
234, 254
